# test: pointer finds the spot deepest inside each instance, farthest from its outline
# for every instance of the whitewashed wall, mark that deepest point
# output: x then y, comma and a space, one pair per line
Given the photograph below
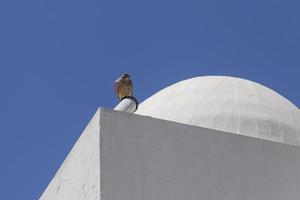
143, 158
148, 159
79, 176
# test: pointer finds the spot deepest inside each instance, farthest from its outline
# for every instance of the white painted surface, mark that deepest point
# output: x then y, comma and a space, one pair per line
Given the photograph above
145, 159
127, 105
227, 104
79, 176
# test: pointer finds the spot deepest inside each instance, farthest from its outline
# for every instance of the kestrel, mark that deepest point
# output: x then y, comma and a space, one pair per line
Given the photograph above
123, 86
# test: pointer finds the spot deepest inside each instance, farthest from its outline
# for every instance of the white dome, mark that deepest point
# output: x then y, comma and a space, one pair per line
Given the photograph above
228, 104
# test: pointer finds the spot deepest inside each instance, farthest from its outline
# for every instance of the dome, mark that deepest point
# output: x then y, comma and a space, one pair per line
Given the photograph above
227, 104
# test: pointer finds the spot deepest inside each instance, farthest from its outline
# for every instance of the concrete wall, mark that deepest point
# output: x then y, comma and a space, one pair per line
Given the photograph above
143, 158
79, 176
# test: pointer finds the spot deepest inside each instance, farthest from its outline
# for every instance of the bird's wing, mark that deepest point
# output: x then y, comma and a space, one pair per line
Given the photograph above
131, 86
116, 85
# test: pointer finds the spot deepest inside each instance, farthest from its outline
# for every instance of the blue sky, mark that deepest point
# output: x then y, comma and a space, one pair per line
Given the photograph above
59, 58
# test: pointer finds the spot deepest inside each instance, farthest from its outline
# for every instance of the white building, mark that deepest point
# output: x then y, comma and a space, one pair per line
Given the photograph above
210, 138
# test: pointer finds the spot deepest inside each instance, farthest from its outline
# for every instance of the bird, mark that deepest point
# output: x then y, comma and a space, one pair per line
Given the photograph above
123, 86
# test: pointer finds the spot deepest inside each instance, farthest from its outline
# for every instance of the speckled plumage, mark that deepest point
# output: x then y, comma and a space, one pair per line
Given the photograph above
123, 86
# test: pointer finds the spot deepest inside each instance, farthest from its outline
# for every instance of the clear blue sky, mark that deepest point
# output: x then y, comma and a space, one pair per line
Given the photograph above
59, 58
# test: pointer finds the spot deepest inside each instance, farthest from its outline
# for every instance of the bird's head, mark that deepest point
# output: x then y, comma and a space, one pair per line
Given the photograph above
125, 75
